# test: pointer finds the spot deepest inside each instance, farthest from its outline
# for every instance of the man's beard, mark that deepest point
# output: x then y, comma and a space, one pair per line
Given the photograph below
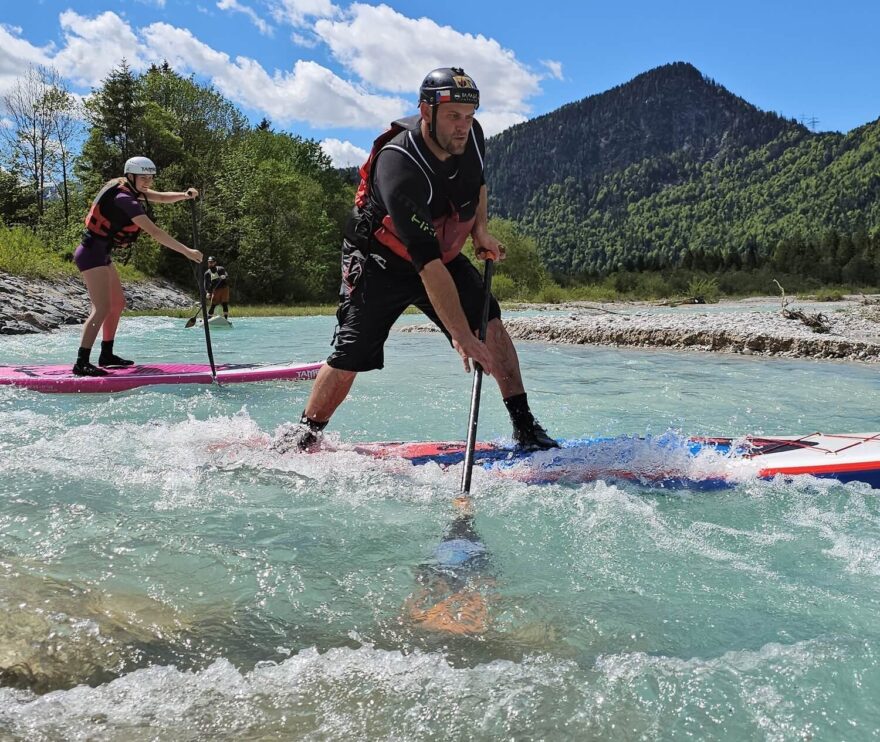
455, 146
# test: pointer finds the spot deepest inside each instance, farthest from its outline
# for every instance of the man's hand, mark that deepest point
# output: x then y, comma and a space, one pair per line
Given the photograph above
487, 247
191, 193
472, 348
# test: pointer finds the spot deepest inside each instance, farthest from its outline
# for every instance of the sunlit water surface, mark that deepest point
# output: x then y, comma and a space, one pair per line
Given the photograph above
166, 576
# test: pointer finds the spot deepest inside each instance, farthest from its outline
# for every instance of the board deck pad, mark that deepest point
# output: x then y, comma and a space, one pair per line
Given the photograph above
60, 378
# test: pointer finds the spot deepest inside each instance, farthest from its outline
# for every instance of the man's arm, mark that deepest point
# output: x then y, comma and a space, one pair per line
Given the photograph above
485, 245
444, 298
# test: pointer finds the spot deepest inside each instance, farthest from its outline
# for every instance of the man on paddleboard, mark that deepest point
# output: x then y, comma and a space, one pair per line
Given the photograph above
217, 287
116, 218
422, 193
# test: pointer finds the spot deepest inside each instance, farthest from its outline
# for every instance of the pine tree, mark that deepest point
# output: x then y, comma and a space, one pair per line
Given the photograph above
115, 111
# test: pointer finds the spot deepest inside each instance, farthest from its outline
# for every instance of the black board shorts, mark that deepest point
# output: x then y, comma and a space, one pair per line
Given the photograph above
377, 288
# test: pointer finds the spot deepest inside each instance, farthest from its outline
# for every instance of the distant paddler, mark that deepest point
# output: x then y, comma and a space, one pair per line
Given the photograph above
217, 287
116, 218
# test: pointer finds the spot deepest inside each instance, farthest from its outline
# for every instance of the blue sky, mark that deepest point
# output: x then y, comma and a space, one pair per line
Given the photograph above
338, 72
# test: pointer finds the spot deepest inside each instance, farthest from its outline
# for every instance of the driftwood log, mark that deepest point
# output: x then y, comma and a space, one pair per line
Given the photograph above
816, 322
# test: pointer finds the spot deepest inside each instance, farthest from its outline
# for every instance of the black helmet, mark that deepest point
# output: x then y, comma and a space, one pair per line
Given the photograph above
449, 85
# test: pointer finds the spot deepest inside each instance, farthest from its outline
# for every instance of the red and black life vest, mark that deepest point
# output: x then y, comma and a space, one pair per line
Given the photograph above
451, 232
106, 221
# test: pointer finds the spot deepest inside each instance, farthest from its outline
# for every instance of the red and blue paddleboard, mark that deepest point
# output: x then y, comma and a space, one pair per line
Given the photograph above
665, 461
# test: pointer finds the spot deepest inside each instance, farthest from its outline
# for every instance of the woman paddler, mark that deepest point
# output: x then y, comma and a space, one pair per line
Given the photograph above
116, 218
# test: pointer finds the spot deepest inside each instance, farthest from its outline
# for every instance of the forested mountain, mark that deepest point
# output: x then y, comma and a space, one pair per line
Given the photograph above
670, 166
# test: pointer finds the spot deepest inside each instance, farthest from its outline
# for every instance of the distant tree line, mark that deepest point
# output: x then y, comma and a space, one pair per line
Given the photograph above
272, 206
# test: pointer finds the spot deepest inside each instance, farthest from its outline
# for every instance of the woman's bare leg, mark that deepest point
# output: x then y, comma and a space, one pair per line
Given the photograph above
98, 282
117, 304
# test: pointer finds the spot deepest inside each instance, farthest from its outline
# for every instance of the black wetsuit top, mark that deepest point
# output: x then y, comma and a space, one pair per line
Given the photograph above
215, 278
414, 188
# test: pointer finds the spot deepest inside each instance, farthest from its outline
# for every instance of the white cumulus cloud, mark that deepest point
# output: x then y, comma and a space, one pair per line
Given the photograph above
390, 51
16, 55
297, 12
554, 68
344, 154
94, 46
236, 7
309, 93
383, 55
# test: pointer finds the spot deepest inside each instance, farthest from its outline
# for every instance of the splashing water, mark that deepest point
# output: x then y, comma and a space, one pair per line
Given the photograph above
166, 575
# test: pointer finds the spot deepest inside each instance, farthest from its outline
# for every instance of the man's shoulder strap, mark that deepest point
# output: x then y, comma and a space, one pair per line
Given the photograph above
410, 123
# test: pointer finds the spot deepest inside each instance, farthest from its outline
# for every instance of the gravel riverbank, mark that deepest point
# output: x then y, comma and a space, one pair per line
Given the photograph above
33, 305
749, 327
734, 327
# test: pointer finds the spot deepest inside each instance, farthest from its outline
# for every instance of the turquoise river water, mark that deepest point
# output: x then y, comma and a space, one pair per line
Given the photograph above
166, 576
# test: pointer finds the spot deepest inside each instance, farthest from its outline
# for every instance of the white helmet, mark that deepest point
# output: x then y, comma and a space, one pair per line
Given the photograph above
139, 166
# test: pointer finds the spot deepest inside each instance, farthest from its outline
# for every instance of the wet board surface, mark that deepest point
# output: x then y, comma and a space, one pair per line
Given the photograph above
60, 379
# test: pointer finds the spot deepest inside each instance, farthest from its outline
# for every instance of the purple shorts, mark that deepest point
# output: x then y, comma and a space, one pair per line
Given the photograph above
91, 254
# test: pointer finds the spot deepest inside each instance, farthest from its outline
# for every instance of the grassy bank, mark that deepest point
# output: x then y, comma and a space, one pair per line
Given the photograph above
23, 254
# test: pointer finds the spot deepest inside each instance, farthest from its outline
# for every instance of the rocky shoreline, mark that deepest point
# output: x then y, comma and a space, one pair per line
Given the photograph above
853, 332
33, 305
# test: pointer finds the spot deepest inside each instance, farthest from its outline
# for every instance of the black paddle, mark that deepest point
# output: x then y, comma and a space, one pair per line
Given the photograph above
478, 385
192, 320
200, 279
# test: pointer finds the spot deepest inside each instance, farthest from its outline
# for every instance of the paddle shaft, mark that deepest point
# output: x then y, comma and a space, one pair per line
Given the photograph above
200, 279
477, 387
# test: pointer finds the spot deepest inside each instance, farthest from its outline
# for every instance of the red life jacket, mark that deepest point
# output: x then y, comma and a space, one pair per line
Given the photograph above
450, 231
107, 222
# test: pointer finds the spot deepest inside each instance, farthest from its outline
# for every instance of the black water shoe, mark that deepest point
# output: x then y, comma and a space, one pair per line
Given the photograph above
81, 368
111, 360
532, 437
301, 436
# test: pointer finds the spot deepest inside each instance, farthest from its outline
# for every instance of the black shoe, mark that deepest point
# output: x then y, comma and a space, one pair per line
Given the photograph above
533, 438
87, 369
297, 437
113, 361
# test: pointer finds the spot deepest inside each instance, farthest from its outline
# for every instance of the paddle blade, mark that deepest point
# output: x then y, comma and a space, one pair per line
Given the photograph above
191, 321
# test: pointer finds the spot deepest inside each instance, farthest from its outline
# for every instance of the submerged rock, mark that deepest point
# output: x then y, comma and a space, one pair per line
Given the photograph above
56, 635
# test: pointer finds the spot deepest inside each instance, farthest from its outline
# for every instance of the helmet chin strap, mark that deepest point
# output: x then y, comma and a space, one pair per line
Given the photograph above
132, 179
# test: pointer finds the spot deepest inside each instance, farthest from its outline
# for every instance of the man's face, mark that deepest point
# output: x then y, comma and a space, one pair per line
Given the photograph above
454, 122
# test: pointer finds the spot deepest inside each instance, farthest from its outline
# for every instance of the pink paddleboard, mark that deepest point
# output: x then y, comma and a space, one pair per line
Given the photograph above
59, 378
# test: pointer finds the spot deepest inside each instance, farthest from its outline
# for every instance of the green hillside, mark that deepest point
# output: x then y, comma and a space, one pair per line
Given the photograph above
672, 170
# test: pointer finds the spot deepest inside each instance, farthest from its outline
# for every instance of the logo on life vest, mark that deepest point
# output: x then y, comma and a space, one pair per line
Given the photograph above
423, 225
